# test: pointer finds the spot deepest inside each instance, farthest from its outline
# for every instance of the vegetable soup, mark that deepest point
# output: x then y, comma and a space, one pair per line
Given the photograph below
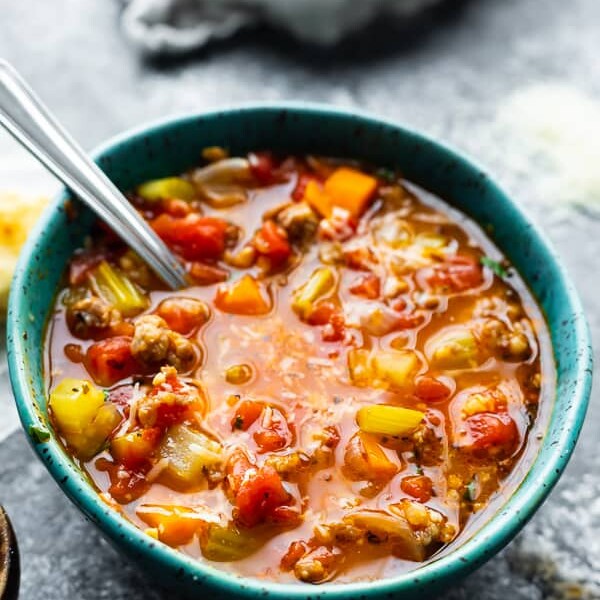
352, 377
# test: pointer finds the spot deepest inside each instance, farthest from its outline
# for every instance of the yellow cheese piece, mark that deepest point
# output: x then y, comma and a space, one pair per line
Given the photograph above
18, 214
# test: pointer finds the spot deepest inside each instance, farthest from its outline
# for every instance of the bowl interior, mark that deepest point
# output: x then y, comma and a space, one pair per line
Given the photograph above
174, 146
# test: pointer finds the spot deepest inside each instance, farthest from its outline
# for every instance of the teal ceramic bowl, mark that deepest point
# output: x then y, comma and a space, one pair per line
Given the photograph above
172, 146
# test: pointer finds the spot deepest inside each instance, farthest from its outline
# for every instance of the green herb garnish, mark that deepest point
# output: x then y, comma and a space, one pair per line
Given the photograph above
39, 434
471, 490
494, 265
239, 422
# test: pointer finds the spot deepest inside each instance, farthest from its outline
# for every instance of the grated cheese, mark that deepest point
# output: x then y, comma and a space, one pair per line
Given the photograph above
556, 126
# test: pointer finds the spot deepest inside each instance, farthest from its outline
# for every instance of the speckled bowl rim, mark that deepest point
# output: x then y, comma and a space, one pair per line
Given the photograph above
486, 542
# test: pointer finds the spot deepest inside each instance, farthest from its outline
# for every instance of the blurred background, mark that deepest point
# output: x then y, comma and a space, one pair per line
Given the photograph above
516, 84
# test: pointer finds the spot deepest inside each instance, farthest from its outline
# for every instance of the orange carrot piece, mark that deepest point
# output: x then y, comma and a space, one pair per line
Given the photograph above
243, 297
317, 198
176, 525
350, 189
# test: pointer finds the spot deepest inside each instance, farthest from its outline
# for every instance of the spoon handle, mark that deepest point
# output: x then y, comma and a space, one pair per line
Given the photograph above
30, 122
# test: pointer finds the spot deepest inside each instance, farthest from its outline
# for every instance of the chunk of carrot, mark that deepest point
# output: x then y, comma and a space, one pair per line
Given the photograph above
176, 525
350, 189
243, 297
316, 197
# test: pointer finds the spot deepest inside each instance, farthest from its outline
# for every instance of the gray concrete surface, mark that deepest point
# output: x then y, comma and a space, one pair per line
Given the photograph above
450, 73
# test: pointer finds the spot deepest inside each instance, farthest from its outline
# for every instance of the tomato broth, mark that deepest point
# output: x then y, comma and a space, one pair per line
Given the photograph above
354, 378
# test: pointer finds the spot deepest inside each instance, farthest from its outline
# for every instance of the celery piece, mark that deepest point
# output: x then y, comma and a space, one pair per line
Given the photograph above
382, 525
455, 349
320, 283
113, 286
225, 544
169, 187
388, 420
189, 453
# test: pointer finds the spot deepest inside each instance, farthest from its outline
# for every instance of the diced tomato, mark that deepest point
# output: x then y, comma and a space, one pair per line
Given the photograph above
417, 486
133, 449
125, 486
335, 330
275, 435
399, 305
263, 167
492, 432
408, 320
246, 414
259, 496
288, 516
237, 466
110, 360
322, 313
183, 315
331, 436
303, 179
129, 488
367, 286
193, 236
459, 273
171, 383
271, 241
269, 440
170, 414
431, 389
360, 259
204, 274
186, 404
296, 550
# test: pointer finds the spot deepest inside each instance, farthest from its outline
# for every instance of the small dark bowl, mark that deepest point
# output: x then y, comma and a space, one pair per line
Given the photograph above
10, 572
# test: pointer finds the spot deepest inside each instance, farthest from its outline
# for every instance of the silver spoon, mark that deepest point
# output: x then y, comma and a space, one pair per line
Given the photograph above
30, 122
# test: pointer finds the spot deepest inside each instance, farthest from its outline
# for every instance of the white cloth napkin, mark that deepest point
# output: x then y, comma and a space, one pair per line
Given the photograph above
178, 26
